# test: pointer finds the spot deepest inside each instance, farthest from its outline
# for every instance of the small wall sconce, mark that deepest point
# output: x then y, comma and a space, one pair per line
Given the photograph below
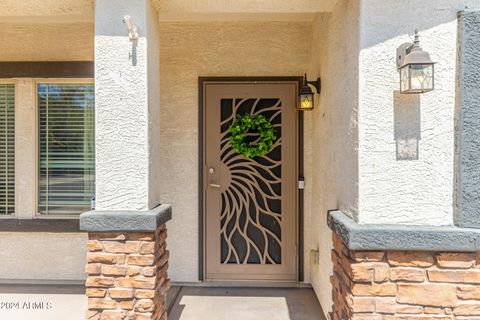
132, 29
415, 67
306, 101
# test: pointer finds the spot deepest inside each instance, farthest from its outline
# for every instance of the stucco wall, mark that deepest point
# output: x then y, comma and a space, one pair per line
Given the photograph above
331, 166
406, 143
467, 162
127, 107
244, 6
153, 85
29, 255
190, 50
362, 114
76, 8
42, 257
46, 8
46, 42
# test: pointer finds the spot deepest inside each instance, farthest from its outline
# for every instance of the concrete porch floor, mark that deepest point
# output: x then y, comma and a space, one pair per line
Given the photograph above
198, 303
61, 302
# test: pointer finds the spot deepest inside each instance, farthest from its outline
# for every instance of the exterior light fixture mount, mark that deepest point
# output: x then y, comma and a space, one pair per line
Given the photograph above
132, 29
416, 68
306, 95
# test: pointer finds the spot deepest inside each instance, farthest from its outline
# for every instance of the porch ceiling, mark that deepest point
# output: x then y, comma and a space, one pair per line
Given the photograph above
244, 6
245, 10
83, 11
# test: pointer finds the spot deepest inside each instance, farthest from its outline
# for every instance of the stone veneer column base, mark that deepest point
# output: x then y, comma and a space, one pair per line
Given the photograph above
404, 285
127, 275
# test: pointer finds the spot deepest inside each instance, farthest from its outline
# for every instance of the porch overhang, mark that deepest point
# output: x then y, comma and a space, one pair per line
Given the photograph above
83, 11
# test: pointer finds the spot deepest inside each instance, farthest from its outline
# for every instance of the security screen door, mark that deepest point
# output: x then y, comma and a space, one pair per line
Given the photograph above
250, 204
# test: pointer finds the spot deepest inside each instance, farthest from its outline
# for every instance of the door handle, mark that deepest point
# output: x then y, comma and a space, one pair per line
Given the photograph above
214, 185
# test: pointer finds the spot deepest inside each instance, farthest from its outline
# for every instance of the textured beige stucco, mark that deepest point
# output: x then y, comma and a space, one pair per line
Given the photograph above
153, 85
32, 8
44, 10
27, 255
29, 8
42, 256
331, 166
244, 6
38, 256
25, 148
190, 50
46, 42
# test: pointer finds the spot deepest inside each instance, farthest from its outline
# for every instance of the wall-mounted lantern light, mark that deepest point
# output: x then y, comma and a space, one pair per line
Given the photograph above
415, 67
306, 100
132, 29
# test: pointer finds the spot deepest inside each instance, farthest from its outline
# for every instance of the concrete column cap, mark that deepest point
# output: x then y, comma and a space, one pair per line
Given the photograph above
380, 237
135, 221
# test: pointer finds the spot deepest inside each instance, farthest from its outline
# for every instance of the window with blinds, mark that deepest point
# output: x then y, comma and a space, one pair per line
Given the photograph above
66, 148
7, 149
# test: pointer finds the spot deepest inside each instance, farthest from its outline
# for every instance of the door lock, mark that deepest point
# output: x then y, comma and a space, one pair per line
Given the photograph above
211, 170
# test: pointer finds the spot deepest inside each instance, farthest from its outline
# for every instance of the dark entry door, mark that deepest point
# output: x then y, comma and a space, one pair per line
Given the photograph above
250, 204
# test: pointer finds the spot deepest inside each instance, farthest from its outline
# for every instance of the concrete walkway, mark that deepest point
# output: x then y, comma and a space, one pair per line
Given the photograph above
198, 303
62, 302
42, 302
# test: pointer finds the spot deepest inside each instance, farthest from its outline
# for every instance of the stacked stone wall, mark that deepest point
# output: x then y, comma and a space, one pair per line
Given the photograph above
404, 285
127, 275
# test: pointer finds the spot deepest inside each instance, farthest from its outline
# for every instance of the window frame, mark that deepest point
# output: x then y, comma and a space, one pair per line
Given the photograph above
30, 220
24, 75
36, 82
13, 215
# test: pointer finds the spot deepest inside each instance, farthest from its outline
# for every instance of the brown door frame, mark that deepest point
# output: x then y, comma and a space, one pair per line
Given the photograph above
300, 169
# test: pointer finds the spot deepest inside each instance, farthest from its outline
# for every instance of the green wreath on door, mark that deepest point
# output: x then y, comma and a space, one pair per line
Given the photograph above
247, 123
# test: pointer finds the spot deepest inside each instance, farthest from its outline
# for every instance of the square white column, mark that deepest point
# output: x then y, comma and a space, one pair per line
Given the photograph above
127, 106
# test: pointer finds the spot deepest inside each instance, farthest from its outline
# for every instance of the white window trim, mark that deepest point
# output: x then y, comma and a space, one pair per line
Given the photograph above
14, 215
27, 144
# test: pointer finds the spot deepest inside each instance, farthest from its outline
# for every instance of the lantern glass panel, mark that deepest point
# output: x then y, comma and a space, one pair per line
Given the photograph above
421, 77
306, 101
404, 79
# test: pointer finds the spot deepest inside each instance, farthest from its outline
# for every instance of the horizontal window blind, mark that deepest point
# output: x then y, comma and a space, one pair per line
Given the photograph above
67, 148
7, 149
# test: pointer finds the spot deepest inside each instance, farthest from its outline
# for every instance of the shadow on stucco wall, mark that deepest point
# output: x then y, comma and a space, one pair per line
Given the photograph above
407, 128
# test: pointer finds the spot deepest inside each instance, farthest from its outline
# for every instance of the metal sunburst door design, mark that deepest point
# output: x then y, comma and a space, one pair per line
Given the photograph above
250, 221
